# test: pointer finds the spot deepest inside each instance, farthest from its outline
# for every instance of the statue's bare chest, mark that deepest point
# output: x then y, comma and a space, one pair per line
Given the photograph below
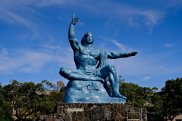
91, 53
85, 55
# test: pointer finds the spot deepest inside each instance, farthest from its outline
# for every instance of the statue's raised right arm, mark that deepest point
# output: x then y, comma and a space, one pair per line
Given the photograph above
71, 33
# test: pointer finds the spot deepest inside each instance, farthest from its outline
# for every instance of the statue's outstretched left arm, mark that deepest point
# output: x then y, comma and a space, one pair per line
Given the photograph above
115, 55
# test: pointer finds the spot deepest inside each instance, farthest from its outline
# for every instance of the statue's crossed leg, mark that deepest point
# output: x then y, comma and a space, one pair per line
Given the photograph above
100, 74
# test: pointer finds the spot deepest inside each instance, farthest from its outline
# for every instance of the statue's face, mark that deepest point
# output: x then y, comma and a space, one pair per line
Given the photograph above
89, 38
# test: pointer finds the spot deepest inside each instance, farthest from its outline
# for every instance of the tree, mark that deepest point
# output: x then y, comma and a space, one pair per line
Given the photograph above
136, 95
30, 100
60, 85
155, 111
5, 109
172, 96
166, 104
23, 99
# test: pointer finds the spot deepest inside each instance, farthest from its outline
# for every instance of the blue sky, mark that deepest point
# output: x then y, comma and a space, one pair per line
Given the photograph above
34, 43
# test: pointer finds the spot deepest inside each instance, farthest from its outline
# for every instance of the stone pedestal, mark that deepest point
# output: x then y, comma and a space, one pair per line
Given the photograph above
98, 112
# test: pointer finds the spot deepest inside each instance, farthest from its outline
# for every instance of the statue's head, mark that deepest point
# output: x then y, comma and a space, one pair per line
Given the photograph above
87, 39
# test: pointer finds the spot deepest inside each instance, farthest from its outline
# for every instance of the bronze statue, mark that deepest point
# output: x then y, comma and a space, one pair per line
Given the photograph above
91, 63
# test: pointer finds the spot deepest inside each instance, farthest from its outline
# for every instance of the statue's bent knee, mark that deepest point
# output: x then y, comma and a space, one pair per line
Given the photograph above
64, 72
111, 68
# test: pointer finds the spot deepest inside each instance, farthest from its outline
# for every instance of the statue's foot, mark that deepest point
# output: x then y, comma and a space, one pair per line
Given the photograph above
100, 79
118, 95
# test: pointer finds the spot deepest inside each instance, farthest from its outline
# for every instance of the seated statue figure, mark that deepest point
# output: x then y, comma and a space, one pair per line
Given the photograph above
91, 67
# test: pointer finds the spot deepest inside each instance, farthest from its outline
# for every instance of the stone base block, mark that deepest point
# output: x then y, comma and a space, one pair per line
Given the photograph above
98, 112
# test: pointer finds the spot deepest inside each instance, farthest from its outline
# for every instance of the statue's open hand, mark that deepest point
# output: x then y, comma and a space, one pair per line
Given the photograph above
75, 20
132, 53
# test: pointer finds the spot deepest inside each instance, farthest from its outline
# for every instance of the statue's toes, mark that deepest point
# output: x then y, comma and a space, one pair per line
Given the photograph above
119, 95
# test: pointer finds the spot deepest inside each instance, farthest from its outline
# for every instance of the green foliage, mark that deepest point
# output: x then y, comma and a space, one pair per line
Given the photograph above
30, 100
136, 96
155, 111
5, 112
167, 103
5, 109
172, 96
160, 105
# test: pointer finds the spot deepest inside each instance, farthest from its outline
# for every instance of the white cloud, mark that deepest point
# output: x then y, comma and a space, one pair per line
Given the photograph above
25, 3
151, 17
169, 45
117, 11
13, 17
146, 78
138, 17
24, 13
19, 61
173, 3
122, 12
120, 45
32, 61
43, 3
18, 15
146, 66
